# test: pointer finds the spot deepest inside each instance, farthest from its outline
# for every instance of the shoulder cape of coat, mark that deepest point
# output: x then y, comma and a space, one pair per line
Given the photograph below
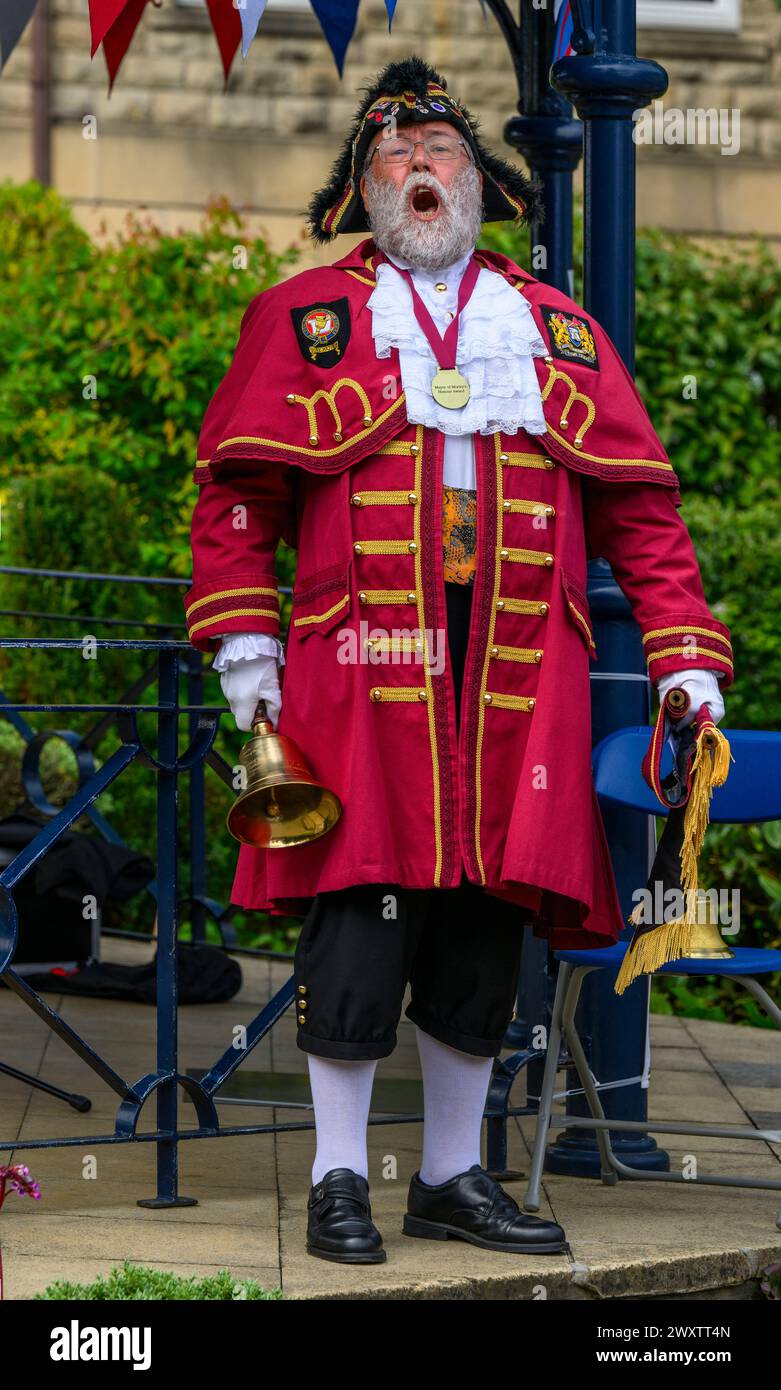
306, 387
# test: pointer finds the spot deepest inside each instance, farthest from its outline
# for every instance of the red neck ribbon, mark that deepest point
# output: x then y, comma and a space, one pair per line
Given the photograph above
444, 349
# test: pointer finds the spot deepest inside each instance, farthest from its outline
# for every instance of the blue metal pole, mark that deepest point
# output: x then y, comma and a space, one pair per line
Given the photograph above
546, 133
607, 83
167, 1020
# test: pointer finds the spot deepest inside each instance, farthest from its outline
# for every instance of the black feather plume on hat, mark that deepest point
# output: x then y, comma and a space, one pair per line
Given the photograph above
419, 94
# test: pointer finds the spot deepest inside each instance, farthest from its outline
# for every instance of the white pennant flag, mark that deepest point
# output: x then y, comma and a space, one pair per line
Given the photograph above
250, 13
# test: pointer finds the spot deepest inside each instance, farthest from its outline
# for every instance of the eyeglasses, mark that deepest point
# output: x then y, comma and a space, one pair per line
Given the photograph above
400, 150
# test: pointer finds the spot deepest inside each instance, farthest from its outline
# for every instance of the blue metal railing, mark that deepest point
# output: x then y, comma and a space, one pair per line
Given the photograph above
170, 660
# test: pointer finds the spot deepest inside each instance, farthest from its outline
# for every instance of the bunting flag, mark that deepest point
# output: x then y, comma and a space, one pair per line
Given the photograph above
227, 26
103, 15
701, 759
116, 41
337, 21
562, 41
15, 15
235, 23
250, 14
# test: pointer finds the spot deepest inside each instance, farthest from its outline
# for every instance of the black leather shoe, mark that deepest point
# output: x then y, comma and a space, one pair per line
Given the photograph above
339, 1221
472, 1206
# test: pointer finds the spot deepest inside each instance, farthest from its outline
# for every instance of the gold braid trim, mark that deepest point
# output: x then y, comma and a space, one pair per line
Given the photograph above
530, 656
385, 547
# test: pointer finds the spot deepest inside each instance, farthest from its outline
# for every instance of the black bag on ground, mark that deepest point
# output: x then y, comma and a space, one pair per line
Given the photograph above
206, 975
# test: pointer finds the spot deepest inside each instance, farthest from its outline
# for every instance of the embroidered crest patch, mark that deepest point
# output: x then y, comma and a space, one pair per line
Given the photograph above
571, 337
323, 331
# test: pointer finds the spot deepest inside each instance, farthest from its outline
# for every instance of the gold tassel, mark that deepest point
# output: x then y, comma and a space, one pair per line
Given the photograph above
710, 767
673, 940
647, 953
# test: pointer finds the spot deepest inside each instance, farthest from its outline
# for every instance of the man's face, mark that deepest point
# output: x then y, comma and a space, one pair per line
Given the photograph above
427, 211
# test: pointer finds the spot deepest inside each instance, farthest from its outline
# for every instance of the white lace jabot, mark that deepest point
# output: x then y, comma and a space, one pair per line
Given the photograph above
496, 343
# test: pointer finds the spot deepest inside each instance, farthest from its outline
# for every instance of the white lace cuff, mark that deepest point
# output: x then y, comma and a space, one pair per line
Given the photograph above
243, 646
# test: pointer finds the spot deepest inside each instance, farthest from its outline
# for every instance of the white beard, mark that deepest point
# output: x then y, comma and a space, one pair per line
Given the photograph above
426, 245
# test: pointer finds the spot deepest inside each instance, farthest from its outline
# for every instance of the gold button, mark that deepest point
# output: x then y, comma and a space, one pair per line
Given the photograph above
548, 560
504, 458
412, 497
362, 598
367, 419
291, 400
504, 554
499, 605
302, 989
313, 439
550, 511
494, 651
544, 608
440, 285
414, 448
356, 499
548, 359
532, 703
506, 506
487, 698
549, 463
412, 598
358, 548
578, 442
374, 695
302, 1004
370, 642
412, 548
538, 656
338, 437
449, 313
302, 1018
564, 422
422, 695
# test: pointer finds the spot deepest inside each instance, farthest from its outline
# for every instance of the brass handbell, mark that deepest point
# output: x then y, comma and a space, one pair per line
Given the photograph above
282, 803
707, 941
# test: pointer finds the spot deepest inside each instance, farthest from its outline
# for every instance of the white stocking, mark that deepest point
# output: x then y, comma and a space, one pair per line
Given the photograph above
455, 1086
342, 1092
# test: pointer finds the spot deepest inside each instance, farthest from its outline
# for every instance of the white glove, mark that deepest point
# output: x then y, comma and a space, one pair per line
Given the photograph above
702, 688
247, 664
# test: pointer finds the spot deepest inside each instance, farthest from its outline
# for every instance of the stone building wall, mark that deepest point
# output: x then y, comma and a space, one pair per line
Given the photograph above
170, 137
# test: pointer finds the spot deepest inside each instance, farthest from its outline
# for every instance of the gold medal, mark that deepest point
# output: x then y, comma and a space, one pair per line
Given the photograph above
450, 388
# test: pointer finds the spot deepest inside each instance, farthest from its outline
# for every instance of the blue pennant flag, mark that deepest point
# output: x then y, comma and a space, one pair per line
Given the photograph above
250, 14
14, 18
337, 21
562, 41
390, 6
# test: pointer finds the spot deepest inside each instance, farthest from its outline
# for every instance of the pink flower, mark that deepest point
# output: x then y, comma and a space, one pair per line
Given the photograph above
16, 1177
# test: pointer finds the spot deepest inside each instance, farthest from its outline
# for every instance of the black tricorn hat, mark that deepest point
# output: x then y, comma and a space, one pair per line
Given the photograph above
412, 91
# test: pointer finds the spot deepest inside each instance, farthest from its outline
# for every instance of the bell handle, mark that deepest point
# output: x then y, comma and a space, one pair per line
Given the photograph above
261, 724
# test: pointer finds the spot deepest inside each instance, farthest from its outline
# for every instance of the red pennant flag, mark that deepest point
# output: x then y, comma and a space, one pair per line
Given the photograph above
103, 14
117, 41
226, 23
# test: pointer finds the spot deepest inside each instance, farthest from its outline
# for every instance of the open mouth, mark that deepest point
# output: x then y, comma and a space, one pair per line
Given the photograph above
424, 203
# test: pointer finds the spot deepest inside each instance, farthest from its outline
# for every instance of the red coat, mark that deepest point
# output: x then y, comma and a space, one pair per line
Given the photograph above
308, 432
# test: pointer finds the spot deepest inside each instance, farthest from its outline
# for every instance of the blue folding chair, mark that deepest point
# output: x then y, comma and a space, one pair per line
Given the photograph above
751, 793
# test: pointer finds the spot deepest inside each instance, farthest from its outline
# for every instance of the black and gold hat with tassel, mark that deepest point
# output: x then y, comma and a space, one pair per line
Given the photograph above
408, 92
700, 762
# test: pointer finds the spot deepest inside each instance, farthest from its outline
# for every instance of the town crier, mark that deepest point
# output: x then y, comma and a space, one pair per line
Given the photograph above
445, 441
